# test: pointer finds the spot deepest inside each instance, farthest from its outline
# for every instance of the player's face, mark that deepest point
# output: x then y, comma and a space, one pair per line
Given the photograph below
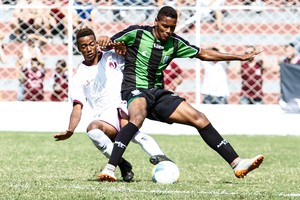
290, 51
164, 27
88, 47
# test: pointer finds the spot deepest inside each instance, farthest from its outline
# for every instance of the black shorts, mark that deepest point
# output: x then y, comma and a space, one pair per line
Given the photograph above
161, 103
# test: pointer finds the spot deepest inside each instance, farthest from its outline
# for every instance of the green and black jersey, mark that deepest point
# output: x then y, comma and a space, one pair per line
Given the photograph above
146, 57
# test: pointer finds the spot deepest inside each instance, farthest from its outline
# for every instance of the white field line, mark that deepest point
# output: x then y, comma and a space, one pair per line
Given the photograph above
289, 195
124, 189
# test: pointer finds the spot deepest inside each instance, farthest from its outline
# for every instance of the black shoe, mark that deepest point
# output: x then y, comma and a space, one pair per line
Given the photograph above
158, 158
126, 170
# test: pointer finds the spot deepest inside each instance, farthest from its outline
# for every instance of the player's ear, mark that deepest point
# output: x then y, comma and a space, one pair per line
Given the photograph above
155, 21
77, 48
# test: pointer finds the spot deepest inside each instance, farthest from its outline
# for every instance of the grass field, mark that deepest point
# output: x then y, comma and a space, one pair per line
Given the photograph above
34, 166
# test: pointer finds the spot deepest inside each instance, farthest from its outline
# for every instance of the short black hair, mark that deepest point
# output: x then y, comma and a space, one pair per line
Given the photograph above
167, 11
84, 32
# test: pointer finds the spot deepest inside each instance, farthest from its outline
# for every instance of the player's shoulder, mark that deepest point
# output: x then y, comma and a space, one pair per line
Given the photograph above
177, 37
139, 27
110, 55
80, 67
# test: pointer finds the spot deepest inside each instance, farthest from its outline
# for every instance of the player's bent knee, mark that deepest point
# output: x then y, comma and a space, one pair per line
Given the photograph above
200, 120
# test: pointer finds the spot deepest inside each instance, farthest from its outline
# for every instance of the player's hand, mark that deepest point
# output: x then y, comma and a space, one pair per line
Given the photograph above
120, 48
103, 42
63, 136
251, 56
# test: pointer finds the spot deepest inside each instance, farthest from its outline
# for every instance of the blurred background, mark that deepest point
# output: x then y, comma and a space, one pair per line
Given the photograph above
38, 56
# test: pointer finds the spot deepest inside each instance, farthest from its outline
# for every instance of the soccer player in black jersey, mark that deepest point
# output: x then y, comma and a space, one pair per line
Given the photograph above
149, 51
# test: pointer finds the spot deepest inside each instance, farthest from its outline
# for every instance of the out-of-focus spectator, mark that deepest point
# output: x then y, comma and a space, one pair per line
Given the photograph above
211, 15
9, 2
289, 67
34, 80
173, 3
85, 14
22, 21
258, 3
59, 14
60, 78
103, 2
251, 72
296, 42
172, 76
43, 21
31, 20
121, 14
31, 49
215, 88
3, 58
292, 4
290, 55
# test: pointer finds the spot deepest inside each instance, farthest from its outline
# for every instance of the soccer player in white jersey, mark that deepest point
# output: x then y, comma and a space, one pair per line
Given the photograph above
98, 82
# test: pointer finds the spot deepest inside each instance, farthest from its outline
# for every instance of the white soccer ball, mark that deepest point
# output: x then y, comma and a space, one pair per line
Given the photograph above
165, 172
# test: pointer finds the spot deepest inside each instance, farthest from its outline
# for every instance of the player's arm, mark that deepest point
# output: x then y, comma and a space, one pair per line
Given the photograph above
105, 44
73, 122
103, 41
122, 38
212, 55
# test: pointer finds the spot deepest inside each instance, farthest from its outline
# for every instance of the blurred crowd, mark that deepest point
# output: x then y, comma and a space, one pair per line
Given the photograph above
45, 22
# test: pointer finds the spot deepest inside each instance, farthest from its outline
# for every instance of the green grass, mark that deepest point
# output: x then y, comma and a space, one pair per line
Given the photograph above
34, 166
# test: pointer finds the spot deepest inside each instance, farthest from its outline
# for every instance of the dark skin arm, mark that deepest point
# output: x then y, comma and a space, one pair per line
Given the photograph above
105, 44
212, 55
204, 54
73, 122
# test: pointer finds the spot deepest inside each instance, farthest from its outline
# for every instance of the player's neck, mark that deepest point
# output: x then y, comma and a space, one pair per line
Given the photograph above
155, 34
94, 61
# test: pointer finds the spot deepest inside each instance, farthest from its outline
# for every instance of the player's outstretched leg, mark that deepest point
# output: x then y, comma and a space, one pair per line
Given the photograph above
244, 166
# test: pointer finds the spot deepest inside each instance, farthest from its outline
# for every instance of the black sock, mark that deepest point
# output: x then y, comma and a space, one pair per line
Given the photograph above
122, 160
122, 140
213, 139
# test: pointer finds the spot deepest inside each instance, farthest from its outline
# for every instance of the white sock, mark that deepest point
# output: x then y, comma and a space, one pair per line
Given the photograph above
147, 143
235, 162
101, 141
110, 167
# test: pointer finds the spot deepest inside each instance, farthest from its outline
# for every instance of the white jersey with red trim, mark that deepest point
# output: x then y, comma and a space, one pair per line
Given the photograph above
100, 84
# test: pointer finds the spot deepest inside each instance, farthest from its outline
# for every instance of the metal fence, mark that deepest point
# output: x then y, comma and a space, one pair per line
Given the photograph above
39, 57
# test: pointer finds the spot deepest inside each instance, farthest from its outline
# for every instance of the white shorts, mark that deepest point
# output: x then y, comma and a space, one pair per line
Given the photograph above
113, 115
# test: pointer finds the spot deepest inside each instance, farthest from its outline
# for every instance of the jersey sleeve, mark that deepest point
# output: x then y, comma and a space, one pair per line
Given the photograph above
77, 92
185, 49
127, 35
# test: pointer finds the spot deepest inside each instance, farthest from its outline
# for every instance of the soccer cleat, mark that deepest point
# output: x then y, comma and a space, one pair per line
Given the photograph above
158, 158
126, 170
247, 165
107, 174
